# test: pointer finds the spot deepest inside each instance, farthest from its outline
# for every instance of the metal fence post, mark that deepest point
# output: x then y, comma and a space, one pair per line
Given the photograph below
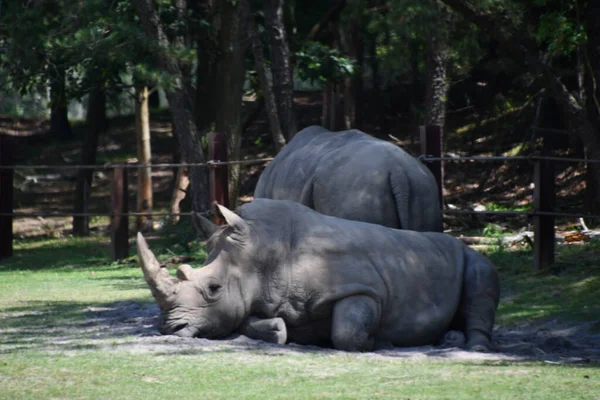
119, 223
544, 199
431, 145
218, 175
6, 197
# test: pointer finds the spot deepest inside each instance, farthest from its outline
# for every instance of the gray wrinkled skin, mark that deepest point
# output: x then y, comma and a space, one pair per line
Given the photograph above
355, 176
282, 272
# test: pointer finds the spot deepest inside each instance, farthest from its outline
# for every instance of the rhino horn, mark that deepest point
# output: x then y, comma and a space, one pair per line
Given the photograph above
204, 227
185, 272
233, 220
160, 281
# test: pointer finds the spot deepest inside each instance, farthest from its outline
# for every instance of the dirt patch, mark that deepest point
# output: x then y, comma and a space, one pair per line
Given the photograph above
132, 327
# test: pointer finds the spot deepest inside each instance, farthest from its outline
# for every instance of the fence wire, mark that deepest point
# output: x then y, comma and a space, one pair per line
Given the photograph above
217, 163
211, 163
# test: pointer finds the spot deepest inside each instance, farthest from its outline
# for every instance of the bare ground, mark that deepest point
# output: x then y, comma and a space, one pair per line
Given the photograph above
130, 326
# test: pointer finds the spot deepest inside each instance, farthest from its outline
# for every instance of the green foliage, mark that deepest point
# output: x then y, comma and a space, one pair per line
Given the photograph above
561, 34
492, 230
98, 44
503, 207
316, 62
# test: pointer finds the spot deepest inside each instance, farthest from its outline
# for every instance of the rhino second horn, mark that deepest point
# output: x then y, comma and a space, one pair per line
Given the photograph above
160, 281
185, 272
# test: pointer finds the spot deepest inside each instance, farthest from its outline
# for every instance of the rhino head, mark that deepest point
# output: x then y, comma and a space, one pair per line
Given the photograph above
208, 302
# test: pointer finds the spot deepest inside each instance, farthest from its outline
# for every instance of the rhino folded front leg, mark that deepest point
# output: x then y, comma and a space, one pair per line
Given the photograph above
272, 330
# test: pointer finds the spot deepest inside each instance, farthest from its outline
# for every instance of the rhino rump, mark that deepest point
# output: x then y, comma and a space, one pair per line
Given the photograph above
352, 175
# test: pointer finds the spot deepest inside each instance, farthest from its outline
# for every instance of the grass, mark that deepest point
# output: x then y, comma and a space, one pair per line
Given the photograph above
297, 376
47, 285
566, 292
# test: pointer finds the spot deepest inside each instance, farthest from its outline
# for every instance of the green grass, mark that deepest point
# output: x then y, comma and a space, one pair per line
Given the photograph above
566, 292
47, 285
504, 207
251, 375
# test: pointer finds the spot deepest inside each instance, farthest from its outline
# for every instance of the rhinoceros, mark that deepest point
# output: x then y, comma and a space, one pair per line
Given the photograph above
279, 271
353, 175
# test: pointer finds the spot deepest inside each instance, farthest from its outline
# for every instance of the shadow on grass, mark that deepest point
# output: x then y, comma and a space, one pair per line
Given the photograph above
71, 325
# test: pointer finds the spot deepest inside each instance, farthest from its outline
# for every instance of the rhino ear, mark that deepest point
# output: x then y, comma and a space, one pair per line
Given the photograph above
233, 220
204, 227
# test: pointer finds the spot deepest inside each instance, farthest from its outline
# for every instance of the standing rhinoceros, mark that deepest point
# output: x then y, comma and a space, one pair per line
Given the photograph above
355, 176
283, 272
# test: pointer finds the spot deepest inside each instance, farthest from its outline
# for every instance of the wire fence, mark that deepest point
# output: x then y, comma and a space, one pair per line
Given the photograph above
543, 205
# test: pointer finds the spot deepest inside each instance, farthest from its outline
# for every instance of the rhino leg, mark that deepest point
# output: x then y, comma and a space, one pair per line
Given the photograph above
354, 319
481, 293
272, 330
453, 339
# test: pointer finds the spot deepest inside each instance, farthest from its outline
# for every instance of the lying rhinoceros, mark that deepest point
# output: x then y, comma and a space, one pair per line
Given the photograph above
281, 272
355, 176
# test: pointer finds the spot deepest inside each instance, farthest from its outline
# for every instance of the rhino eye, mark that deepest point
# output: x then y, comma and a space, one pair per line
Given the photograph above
213, 288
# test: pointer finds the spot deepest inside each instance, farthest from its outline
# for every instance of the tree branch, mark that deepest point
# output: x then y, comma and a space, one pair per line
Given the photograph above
332, 14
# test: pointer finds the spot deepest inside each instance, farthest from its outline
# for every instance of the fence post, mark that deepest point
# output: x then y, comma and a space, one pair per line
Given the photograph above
431, 145
218, 175
119, 223
6, 197
544, 199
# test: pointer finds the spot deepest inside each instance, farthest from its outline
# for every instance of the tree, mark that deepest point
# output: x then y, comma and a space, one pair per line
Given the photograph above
142, 133
96, 123
230, 80
523, 49
283, 82
436, 62
266, 80
179, 94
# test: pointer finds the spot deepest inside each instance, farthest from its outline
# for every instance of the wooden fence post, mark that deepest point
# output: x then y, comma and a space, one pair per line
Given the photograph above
431, 145
119, 223
544, 199
6, 197
218, 175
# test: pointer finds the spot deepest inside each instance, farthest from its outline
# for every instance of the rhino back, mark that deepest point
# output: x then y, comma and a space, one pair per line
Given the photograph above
352, 175
286, 177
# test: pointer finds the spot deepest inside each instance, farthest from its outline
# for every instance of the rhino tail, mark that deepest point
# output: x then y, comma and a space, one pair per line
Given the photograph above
400, 187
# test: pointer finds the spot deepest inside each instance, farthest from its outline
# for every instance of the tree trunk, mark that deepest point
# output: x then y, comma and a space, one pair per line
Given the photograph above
436, 61
206, 76
182, 182
96, 122
181, 104
60, 127
230, 78
142, 133
265, 76
351, 40
283, 82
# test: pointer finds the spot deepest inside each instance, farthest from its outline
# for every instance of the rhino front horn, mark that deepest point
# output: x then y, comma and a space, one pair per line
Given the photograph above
159, 280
